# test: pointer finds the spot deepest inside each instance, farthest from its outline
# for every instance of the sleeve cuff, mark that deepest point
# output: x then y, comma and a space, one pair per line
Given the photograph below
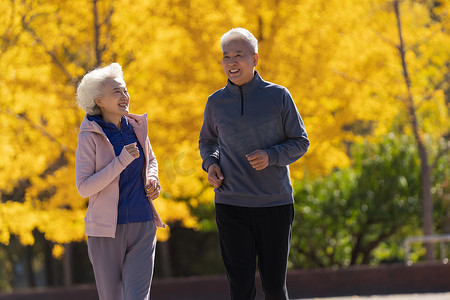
208, 162
273, 156
125, 158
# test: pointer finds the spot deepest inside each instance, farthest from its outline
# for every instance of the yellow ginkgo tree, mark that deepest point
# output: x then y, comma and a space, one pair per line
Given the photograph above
331, 54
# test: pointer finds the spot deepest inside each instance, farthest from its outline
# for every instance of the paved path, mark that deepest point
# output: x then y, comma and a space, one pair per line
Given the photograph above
431, 296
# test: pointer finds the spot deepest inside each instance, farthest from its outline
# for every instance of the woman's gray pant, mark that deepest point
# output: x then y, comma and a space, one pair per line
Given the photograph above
123, 266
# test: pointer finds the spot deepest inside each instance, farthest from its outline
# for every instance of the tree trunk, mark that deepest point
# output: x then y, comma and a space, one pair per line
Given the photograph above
51, 269
98, 54
29, 266
165, 259
67, 263
425, 170
356, 248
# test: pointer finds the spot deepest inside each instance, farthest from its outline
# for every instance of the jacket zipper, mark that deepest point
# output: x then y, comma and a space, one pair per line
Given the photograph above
242, 101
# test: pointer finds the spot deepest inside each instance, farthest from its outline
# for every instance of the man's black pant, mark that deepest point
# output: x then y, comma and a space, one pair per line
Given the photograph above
246, 233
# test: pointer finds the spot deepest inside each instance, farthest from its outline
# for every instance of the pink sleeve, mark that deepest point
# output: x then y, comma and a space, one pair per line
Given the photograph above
88, 180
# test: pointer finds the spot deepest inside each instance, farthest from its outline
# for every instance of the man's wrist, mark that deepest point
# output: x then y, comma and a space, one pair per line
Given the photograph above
270, 155
207, 169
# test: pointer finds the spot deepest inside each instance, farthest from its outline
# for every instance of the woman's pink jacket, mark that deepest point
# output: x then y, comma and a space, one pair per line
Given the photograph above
97, 171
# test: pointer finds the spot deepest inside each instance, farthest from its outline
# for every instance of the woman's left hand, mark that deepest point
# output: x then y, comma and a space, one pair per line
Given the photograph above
152, 188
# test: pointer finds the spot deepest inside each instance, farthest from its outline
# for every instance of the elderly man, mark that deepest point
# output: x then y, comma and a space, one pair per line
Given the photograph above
251, 132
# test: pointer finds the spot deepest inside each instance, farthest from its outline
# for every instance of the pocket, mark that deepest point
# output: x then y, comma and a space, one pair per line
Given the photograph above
91, 204
101, 209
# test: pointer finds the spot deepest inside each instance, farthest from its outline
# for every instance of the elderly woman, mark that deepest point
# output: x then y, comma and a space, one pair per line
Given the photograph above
116, 168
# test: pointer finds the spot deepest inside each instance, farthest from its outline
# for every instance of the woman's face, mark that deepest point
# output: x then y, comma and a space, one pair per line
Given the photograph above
115, 101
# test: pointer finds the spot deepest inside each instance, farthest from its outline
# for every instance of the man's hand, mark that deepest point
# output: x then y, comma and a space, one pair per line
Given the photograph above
152, 188
259, 159
215, 176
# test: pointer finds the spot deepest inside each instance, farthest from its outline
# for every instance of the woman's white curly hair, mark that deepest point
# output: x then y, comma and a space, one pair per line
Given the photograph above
91, 87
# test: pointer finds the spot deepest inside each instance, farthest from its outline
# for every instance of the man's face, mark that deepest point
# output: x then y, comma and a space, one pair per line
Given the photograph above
238, 62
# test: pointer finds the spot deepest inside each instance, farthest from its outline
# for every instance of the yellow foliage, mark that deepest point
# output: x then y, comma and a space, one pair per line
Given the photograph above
174, 211
163, 234
337, 57
58, 251
18, 219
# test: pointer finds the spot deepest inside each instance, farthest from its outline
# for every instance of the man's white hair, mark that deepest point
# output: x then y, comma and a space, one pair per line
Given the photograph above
242, 34
91, 87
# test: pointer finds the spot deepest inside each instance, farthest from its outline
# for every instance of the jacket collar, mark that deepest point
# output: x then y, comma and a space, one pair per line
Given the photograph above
246, 88
97, 118
139, 122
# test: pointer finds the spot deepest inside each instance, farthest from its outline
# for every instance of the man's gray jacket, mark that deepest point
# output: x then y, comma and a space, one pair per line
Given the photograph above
241, 119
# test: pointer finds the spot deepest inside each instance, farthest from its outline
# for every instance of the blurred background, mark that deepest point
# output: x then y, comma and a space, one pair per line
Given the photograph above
370, 78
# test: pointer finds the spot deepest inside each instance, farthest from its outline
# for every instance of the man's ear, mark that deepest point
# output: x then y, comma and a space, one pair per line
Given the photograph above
255, 59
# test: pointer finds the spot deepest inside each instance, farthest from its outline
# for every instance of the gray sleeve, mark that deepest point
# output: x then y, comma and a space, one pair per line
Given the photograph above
296, 141
208, 140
